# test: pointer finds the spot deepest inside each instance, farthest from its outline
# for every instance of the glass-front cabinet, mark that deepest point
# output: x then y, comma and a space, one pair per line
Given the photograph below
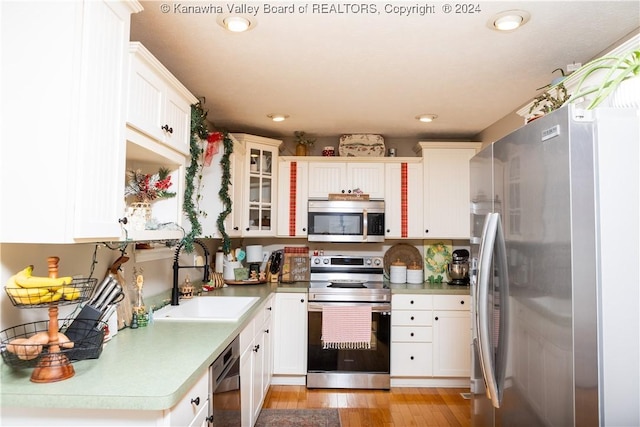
260, 206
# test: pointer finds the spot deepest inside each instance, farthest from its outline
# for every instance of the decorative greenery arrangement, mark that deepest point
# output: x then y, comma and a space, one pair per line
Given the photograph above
193, 176
550, 101
146, 187
302, 138
620, 68
225, 163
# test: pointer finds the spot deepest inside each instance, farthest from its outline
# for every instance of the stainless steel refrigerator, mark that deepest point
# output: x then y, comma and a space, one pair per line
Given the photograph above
555, 282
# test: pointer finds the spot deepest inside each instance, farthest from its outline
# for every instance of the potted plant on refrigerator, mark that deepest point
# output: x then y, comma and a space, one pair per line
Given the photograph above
616, 75
303, 142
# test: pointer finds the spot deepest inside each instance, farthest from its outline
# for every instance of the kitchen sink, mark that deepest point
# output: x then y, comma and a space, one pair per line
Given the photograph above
206, 309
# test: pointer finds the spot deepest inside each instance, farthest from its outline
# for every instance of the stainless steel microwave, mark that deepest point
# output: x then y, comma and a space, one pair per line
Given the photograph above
346, 221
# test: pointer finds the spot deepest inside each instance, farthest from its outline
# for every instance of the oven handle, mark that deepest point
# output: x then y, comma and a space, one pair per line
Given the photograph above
375, 307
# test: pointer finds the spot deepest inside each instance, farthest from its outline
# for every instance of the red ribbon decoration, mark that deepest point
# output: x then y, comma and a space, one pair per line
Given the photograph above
212, 147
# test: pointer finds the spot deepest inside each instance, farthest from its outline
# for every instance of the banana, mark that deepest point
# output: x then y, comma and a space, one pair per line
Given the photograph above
25, 279
11, 283
27, 293
50, 297
69, 293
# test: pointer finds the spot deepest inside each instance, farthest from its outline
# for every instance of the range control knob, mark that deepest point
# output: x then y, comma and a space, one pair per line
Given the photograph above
325, 260
316, 260
368, 261
377, 262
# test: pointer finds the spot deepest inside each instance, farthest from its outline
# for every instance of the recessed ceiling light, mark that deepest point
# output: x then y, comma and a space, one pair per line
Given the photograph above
278, 117
236, 24
509, 20
426, 118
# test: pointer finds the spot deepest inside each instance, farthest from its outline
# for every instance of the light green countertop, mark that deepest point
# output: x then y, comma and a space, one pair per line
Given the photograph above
152, 367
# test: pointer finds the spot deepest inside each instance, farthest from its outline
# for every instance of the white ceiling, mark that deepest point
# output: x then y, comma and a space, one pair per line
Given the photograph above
373, 73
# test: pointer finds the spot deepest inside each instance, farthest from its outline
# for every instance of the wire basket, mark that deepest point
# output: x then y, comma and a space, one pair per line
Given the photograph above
23, 346
79, 290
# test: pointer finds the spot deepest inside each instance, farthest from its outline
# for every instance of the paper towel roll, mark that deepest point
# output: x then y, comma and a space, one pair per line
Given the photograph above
219, 262
254, 253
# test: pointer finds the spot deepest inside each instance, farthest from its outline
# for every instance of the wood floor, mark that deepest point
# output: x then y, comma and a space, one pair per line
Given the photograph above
398, 407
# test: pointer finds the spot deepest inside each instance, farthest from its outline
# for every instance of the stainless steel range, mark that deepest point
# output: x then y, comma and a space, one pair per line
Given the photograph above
343, 287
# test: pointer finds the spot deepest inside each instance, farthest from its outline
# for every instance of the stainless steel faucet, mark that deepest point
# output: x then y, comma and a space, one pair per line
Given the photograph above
175, 292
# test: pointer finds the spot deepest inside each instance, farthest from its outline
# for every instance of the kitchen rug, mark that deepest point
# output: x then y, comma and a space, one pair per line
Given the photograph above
298, 418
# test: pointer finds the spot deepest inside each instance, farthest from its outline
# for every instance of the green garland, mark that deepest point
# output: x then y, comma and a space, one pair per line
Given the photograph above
199, 132
225, 163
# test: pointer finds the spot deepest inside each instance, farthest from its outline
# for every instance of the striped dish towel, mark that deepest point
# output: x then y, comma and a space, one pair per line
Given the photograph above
346, 327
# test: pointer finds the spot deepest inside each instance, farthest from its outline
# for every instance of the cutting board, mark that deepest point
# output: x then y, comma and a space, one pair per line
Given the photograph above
125, 307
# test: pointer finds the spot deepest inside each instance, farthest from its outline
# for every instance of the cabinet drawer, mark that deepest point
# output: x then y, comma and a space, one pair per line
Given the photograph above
411, 334
411, 318
452, 302
411, 302
411, 359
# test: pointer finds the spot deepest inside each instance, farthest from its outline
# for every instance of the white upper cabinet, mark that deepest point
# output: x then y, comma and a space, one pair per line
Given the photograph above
259, 201
293, 187
332, 175
446, 188
157, 135
403, 200
62, 163
159, 105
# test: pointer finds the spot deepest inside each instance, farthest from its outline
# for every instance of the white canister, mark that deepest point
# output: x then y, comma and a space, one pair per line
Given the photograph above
415, 274
398, 272
254, 253
229, 267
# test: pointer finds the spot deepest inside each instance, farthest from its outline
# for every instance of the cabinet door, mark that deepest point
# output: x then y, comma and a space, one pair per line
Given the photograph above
368, 177
178, 119
246, 387
233, 222
325, 178
65, 186
146, 98
260, 194
290, 334
292, 198
190, 406
403, 188
411, 359
446, 196
451, 343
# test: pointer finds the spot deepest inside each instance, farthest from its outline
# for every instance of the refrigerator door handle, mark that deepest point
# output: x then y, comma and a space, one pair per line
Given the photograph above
483, 325
503, 305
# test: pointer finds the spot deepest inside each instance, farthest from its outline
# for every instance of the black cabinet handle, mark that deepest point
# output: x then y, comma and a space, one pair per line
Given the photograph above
166, 128
256, 348
411, 357
266, 331
236, 228
436, 317
247, 229
209, 419
269, 308
123, 220
426, 231
196, 401
462, 302
411, 333
304, 229
302, 300
411, 317
411, 302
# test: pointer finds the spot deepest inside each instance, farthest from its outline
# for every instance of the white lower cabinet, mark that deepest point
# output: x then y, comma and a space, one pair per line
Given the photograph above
411, 335
451, 336
430, 337
255, 363
290, 339
192, 409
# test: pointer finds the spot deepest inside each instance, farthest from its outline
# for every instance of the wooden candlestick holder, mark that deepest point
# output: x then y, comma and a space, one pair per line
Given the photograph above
53, 366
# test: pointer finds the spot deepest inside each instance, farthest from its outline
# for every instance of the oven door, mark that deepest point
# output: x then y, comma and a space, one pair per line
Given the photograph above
374, 360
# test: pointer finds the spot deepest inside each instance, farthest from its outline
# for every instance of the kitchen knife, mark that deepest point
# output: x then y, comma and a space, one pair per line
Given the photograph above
102, 299
100, 290
111, 297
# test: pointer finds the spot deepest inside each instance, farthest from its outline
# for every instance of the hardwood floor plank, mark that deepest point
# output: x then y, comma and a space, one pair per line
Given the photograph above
398, 407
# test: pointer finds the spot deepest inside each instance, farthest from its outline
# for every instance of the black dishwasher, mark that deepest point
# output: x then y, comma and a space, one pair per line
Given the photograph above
224, 388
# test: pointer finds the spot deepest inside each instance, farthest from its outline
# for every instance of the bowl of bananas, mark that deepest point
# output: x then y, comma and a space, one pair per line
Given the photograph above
28, 291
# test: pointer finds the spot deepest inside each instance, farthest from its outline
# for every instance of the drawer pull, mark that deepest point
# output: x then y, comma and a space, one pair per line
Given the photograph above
256, 348
166, 128
436, 317
196, 401
411, 358
462, 302
412, 318
411, 333
411, 302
